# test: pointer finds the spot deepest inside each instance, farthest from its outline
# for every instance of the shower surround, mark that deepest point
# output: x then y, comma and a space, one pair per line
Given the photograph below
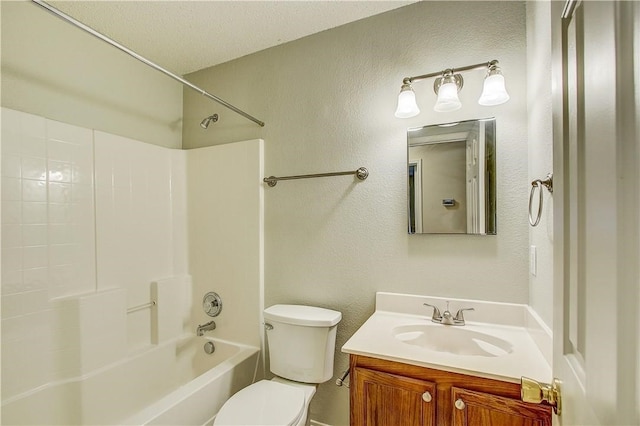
95, 226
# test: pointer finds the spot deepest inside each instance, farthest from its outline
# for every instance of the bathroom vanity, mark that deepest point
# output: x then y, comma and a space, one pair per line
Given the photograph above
392, 393
408, 370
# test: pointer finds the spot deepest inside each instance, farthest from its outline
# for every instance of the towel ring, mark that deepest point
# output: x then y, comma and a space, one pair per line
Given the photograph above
538, 183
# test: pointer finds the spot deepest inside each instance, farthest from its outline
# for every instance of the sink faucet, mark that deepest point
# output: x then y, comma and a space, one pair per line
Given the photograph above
211, 325
446, 317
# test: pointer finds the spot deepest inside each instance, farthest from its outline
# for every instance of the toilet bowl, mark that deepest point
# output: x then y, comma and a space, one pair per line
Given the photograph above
268, 402
284, 400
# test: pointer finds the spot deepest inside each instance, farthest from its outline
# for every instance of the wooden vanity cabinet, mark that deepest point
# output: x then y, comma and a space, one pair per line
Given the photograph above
386, 393
389, 399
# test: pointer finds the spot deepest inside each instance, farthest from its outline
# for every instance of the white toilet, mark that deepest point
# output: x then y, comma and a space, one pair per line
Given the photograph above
301, 342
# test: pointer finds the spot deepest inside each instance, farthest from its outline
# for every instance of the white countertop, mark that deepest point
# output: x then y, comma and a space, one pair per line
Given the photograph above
375, 338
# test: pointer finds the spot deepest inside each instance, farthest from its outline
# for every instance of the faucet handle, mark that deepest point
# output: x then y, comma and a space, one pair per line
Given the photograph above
460, 316
436, 312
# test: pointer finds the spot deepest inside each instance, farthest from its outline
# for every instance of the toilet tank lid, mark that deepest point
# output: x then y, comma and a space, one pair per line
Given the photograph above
303, 315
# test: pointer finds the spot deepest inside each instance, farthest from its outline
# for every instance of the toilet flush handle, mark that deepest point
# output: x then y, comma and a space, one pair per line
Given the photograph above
268, 326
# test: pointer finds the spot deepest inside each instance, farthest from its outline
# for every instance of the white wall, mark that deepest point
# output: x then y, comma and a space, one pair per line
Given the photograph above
328, 103
55, 70
540, 152
225, 205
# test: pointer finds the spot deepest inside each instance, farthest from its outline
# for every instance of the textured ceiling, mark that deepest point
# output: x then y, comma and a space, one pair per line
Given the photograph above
186, 36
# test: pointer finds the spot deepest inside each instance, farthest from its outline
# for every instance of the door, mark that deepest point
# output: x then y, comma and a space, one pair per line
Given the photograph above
383, 399
596, 212
475, 180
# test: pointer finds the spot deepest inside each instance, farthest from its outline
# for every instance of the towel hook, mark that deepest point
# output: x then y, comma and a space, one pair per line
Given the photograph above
538, 183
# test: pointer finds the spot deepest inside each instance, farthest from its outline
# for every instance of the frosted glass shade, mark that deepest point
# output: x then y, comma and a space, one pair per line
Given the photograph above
493, 91
407, 106
447, 98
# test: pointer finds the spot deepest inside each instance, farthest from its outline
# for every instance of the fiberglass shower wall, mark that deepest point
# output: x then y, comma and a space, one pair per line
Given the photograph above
89, 220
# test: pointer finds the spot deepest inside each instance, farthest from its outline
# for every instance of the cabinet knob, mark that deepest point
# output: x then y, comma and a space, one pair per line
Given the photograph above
459, 404
426, 397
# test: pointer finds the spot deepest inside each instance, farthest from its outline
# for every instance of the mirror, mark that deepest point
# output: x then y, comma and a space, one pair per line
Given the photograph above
452, 178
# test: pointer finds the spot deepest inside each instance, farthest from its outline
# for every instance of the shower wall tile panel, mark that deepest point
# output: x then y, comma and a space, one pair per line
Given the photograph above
63, 315
48, 243
225, 233
179, 212
134, 222
89, 332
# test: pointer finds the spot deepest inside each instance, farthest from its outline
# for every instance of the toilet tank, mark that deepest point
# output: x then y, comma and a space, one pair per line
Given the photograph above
301, 341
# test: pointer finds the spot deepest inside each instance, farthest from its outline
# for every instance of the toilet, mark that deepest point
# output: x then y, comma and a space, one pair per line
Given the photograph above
301, 343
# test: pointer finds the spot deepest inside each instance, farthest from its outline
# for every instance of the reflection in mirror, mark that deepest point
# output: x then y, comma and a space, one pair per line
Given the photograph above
452, 178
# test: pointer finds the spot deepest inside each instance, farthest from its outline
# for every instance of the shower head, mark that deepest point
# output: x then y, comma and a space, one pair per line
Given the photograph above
205, 123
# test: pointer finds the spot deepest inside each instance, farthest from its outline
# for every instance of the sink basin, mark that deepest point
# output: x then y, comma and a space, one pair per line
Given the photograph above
452, 339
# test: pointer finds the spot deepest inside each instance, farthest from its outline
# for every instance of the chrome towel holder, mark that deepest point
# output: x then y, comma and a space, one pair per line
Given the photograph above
539, 183
362, 173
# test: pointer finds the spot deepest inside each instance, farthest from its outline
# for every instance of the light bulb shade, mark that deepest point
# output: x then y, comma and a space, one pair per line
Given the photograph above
447, 98
493, 91
407, 106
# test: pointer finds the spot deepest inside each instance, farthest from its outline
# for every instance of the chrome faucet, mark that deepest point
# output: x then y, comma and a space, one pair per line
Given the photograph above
211, 325
446, 317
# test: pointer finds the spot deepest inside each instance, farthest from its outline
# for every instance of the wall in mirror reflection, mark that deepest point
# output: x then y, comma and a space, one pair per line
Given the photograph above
452, 178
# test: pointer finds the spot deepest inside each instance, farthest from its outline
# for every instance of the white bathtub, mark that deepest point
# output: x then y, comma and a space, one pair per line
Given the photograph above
175, 383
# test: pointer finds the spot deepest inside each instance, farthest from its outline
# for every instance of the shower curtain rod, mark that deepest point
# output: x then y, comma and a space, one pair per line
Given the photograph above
146, 61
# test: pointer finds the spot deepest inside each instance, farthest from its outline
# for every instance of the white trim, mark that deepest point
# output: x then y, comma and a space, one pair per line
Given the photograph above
317, 423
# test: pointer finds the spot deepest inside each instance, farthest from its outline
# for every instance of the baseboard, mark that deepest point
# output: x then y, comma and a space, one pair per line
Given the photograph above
315, 423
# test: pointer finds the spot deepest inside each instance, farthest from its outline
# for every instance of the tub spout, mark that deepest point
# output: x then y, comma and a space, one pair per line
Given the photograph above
211, 325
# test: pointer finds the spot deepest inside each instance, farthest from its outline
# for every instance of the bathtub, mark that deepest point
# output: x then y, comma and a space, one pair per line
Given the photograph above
176, 383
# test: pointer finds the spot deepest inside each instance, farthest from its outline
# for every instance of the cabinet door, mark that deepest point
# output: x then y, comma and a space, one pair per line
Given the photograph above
382, 399
482, 409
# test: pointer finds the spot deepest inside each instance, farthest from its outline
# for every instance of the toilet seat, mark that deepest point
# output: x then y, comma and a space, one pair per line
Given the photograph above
263, 403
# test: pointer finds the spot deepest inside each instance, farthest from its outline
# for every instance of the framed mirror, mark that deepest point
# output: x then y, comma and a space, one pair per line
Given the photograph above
452, 178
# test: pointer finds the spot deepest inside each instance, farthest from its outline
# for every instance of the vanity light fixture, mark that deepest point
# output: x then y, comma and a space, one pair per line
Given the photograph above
407, 106
493, 90
447, 85
447, 88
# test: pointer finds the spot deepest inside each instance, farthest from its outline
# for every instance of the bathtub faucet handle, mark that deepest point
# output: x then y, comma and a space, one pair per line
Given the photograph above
211, 325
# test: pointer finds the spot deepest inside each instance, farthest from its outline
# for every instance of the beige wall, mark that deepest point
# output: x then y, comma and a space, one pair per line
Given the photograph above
328, 103
51, 69
540, 152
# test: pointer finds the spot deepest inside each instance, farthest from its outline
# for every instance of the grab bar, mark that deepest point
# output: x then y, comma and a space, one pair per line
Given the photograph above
538, 183
141, 307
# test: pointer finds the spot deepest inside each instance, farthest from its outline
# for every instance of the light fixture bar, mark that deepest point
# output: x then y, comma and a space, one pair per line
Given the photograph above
142, 59
447, 85
409, 80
